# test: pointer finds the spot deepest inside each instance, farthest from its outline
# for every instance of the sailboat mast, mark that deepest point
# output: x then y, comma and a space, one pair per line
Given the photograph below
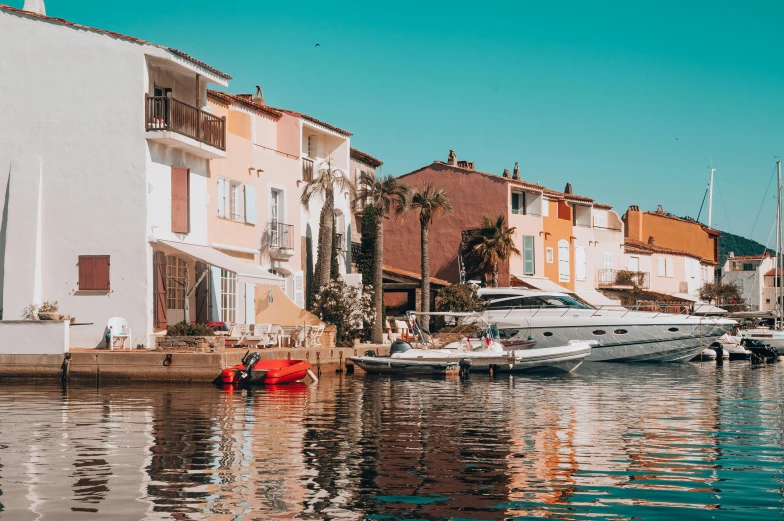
779, 245
710, 196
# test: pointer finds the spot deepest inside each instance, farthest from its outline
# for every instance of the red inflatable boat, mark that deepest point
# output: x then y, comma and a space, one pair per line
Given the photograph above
254, 371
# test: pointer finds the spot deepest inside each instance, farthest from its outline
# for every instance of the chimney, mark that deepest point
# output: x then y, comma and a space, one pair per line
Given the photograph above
516, 174
650, 240
568, 188
452, 159
659, 209
259, 97
506, 173
466, 164
35, 6
732, 254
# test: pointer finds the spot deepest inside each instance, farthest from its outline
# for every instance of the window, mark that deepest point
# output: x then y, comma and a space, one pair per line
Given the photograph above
224, 197
180, 192
600, 220
94, 273
529, 263
276, 199
176, 270
545, 207
767, 301
310, 146
563, 261
237, 202
669, 267
662, 270
634, 264
748, 266
580, 264
518, 203
233, 197
516, 302
228, 305
549, 253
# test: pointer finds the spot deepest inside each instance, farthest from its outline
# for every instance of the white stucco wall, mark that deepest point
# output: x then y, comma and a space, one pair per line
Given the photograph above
40, 337
75, 100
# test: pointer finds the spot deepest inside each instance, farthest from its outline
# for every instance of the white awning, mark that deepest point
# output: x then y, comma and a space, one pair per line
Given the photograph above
245, 271
597, 299
543, 284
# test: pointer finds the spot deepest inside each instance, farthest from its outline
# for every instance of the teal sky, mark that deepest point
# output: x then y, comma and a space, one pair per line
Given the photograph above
628, 101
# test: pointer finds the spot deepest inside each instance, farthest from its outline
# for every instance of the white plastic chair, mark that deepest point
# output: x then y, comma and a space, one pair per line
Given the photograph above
315, 336
277, 334
119, 331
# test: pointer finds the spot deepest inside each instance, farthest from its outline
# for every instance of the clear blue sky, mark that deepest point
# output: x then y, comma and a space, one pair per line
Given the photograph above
628, 101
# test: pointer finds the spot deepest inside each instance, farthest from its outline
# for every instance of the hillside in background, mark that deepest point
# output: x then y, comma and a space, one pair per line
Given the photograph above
729, 242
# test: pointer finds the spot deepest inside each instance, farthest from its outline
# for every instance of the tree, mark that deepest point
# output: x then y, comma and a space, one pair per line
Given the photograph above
459, 298
387, 195
727, 295
323, 186
367, 246
346, 307
491, 245
428, 203
334, 264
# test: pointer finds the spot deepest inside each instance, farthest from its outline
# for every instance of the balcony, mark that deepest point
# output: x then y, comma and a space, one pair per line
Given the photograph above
623, 279
307, 169
281, 241
341, 242
175, 123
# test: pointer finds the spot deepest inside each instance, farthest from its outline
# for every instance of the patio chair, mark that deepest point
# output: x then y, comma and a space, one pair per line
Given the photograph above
119, 332
277, 334
315, 336
262, 333
237, 334
401, 327
298, 334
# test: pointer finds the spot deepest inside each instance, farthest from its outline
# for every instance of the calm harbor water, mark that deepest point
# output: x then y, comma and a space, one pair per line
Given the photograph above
608, 442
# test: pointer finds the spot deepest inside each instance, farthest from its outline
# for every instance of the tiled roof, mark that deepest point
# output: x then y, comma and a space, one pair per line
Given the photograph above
113, 34
365, 158
230, 99
601, 206
414, 275
515, 182
633, 246
771, 272
314, 120
749, 257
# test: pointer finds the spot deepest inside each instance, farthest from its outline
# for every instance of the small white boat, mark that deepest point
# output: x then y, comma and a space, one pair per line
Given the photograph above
401, 366
706, 355
732, 347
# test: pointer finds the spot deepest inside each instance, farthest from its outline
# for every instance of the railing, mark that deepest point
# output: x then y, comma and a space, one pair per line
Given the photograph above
167, 113
307, 169
281, 236
356, 250
638, 279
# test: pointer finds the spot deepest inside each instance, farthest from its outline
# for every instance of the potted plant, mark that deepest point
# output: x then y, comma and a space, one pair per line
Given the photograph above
48, 311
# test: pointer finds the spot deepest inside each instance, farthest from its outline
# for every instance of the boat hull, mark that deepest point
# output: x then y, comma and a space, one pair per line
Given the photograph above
387, 365
267, 372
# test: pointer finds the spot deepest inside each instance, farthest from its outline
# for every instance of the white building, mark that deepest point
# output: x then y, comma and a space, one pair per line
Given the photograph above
754, 276
104, 153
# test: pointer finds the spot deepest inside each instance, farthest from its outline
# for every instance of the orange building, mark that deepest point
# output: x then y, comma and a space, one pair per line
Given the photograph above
558, 242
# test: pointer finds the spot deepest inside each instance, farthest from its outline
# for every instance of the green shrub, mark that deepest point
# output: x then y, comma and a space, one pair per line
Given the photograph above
348, 308
459, 298
185, 329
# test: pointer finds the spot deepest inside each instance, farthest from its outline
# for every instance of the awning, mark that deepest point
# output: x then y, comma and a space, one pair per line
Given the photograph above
246, 272
597, 299
542, 284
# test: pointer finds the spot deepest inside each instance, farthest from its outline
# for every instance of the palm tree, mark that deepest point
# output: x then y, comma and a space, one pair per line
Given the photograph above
324, 185
428, 203
387, 195
491, 245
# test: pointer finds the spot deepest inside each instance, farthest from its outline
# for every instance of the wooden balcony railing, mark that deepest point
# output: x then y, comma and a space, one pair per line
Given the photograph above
167, 113
307, 169
281, 236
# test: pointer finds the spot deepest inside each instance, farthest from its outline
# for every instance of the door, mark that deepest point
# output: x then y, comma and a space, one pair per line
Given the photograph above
580, 268
563, 261
607, 274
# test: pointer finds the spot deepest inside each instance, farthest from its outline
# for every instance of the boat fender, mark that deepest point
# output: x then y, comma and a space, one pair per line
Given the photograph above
312, 376
167, 360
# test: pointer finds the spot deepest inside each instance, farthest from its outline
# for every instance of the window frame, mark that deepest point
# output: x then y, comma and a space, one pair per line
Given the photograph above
529, 256
176, 275
228, 294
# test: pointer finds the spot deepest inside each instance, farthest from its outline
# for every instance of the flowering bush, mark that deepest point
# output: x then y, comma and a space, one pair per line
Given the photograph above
459, 298
346, 307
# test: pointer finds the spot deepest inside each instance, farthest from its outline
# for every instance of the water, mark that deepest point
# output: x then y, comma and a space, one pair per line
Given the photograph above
608, 442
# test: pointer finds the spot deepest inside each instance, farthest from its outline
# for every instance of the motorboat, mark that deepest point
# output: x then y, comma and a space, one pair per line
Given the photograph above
254, 371
706, 355
406, 366
773, 337
553, 319
732, 347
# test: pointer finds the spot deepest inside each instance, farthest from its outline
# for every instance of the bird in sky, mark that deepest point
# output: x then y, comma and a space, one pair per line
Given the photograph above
318, 45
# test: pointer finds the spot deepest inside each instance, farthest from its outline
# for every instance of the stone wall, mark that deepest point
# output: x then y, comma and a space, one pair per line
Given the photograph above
189, 344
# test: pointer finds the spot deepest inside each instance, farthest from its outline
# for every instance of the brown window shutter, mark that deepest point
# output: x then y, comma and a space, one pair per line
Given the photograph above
180, 192
160, 289
94, 273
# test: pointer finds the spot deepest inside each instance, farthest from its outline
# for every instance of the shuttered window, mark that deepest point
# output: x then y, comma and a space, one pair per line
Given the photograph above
180, 190
529, 264
580, 263
94, 273
563, 261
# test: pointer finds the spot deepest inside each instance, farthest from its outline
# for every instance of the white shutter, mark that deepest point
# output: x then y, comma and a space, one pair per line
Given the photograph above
563, 261
250, 204
579, 263
545, 207
669, 267
221, 198
299, 289
215, 293
250, 303
661, 267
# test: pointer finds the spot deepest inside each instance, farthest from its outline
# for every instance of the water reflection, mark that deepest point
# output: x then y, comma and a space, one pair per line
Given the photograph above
610, 442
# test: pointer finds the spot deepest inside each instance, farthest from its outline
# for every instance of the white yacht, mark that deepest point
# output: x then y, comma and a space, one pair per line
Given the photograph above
553, 319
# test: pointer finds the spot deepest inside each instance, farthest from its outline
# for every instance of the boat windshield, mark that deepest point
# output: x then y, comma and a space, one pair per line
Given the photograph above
541, 301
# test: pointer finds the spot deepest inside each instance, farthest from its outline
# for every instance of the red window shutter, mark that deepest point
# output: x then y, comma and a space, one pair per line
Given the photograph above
180, 191
94, 273
160, 289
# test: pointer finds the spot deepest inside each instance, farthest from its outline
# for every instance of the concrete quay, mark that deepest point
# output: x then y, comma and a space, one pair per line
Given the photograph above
99, 366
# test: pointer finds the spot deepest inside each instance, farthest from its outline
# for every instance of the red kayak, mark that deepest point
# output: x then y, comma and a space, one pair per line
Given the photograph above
254, 371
